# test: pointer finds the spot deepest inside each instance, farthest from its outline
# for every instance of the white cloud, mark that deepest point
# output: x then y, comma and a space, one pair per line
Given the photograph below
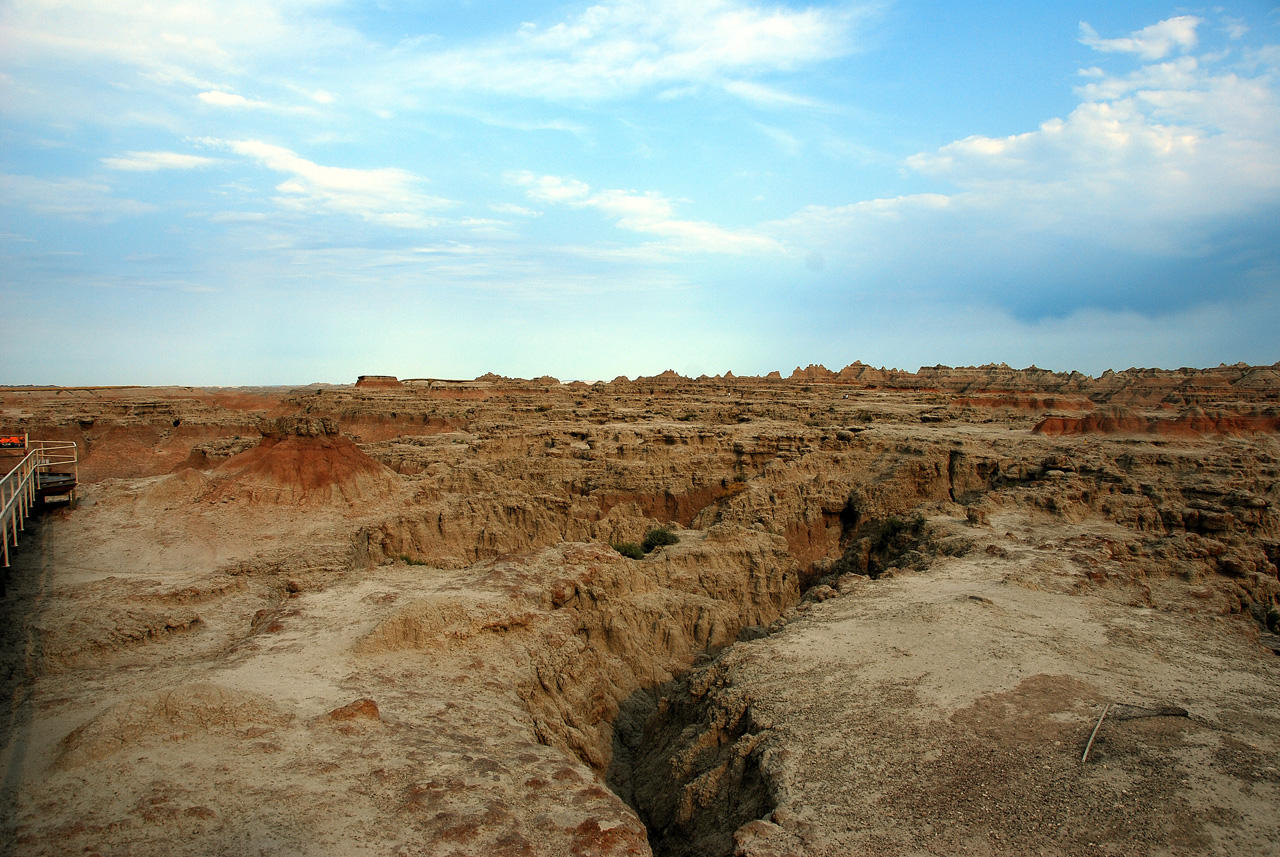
386, 195
75, 199
1235, 28
621, 47
512, 208
229, 99
646, 212
233, 101
319, 96
1176, 164
767, 96
1151, 43
1172, 141
152, 161
550, 188
237, 217
278, 52
73, 52
208, 35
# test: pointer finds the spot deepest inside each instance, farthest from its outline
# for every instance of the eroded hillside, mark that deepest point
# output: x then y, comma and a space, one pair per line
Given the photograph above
393, 618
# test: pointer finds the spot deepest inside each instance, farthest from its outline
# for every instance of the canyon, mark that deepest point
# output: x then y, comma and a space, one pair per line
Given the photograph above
412, 617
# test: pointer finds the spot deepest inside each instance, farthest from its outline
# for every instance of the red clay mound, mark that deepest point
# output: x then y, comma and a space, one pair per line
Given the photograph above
1188, 425
303, 460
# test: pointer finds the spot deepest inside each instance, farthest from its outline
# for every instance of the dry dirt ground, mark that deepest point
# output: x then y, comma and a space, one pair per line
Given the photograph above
387, 620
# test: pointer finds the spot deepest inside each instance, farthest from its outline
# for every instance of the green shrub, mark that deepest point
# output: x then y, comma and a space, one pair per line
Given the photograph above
630, 550
1273, 619
657, 537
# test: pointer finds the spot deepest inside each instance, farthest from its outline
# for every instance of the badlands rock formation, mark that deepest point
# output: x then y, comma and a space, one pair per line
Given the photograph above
389, 618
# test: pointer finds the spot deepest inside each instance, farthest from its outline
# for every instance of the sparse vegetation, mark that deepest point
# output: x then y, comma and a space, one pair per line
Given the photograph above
895, 542
630, 550
410, 560
657, 537
897, 533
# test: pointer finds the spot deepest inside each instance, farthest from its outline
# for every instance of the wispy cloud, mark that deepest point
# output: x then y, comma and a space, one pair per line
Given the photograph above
626, 46
76, 199
237, 217
768, 96
647, 212
1151, 43
783, 140
152, 161
233, 101
1235, 28
319, 96
207, 46
219, 98
386, 195
213, 35
512, 208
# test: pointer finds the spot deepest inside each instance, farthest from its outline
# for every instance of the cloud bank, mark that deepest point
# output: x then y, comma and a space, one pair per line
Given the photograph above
1173, 166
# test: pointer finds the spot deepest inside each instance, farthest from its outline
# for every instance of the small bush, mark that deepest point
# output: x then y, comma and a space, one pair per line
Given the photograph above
896, 532
1273, 619
630, 550
657, 537
408, 560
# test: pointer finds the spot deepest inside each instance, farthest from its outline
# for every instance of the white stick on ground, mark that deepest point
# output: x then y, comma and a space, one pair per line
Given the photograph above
1087, 747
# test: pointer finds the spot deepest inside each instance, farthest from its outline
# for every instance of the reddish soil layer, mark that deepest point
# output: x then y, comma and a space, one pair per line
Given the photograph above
1024, 402
1184, 426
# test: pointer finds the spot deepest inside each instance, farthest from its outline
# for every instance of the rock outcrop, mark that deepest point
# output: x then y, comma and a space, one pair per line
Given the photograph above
378, 381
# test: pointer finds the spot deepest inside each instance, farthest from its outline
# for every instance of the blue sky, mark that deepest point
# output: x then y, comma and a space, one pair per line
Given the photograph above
287, 191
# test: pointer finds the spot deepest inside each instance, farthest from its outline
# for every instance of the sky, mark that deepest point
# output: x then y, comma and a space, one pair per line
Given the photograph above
226, 192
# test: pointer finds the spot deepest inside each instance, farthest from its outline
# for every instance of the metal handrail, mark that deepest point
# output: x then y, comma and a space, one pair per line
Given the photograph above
18, 487
17, 493
58, 453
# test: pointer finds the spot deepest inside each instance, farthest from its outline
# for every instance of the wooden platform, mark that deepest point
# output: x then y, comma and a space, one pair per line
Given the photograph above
54, 485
